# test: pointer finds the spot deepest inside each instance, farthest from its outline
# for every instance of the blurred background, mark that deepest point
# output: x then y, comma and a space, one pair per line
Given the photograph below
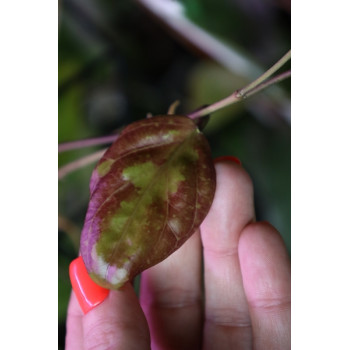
119, 60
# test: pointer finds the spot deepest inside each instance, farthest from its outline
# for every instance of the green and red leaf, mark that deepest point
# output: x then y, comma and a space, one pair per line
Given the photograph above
149, 192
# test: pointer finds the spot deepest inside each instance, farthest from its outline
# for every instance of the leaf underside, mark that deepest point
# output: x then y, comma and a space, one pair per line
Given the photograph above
149, 192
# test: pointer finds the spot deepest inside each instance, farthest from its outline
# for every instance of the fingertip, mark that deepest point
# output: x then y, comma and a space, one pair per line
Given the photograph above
228, 159
232, 208
262, 241
265, 267
230, 173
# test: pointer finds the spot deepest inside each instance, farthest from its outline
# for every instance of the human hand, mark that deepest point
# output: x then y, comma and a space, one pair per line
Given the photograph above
242, 301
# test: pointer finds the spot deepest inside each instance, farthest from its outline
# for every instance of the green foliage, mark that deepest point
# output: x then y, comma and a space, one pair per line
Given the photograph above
221, 83
218, 17
241, 23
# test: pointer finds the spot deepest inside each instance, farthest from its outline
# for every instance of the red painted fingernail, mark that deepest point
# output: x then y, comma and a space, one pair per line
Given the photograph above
88, 293
229, 158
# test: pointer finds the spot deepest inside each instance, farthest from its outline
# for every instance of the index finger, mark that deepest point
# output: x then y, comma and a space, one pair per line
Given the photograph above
227, 320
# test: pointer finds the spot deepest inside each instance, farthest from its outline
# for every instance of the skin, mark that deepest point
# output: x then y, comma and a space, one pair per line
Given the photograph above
241, 302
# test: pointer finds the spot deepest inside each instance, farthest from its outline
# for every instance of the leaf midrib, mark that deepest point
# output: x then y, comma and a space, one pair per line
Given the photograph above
142, 194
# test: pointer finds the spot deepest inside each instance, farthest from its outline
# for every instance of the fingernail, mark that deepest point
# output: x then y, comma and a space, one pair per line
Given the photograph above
229, 158
88, 293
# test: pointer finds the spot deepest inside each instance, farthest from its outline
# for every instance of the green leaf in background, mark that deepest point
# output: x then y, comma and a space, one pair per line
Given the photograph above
209, 82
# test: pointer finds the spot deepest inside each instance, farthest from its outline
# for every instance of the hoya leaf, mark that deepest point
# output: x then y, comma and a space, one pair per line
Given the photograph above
149, 192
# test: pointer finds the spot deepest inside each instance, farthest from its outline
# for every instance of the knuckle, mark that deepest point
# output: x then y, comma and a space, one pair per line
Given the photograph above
228, 317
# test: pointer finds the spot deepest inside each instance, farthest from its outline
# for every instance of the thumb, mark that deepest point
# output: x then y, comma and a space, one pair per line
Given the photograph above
117, 322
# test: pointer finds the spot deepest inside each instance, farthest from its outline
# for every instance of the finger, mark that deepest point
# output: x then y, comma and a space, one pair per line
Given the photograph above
265, 268
74, 326
117, 323
226, 311
103, 319
171, 298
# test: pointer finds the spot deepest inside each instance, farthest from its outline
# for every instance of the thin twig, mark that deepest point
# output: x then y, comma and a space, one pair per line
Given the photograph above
252, 88
79, 163
70, 229
267, 83
68, 146
236, 97
267, 74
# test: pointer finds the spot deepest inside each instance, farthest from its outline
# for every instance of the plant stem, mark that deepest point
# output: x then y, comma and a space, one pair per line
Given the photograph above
252, 88
70, 229
267, 74
267, 83
67, 146
79, 163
